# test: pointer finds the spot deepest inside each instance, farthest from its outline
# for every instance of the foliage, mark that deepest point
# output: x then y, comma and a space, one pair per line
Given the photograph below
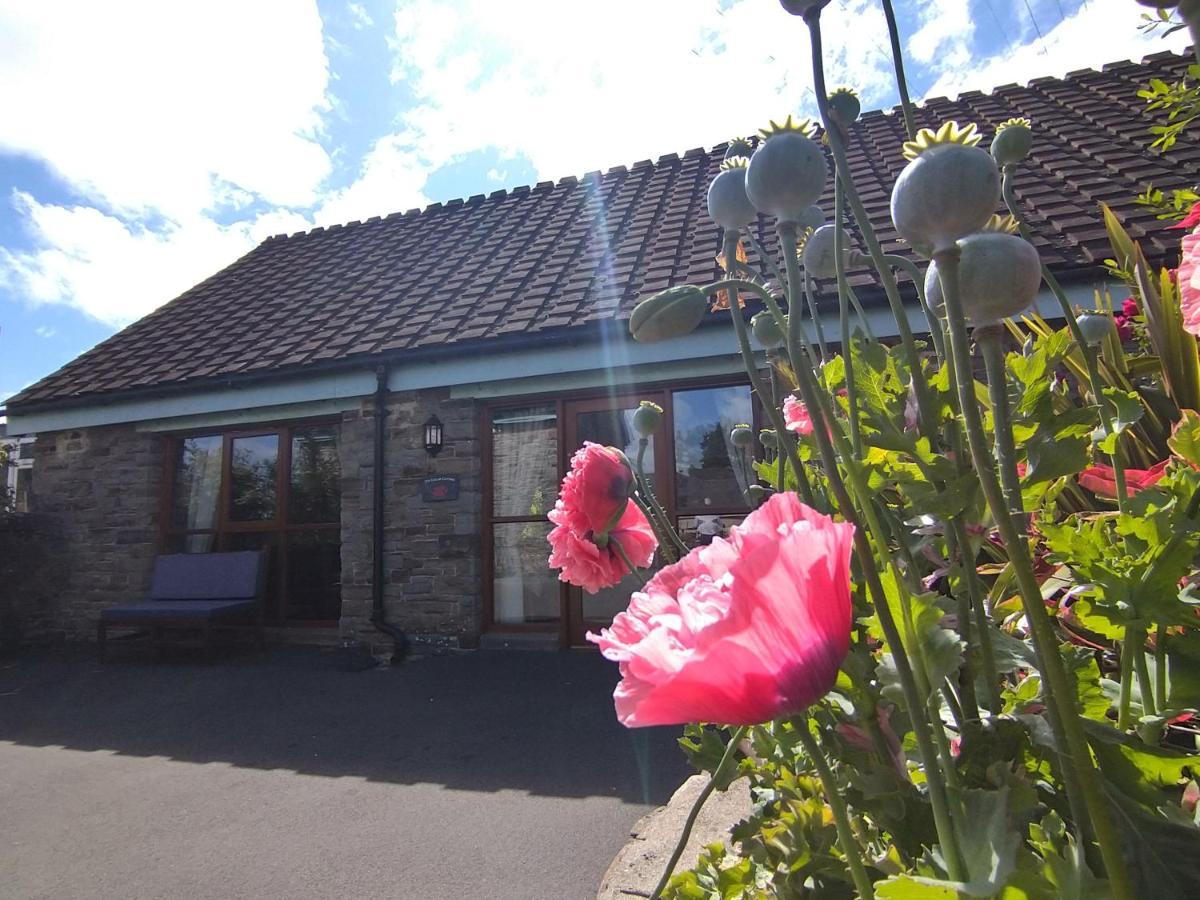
1012, 718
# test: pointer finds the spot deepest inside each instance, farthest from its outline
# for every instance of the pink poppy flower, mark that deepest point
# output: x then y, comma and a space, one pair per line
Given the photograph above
742, 631
592, 512
1129, 308
1189, 282
1102, 482
1191, 220
796, 417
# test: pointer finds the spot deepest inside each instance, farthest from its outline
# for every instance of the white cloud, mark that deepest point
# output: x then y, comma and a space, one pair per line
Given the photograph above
359, 17
1099, 32
145, 105
574, 91
944, 34
164, 115
43, 331
118, 272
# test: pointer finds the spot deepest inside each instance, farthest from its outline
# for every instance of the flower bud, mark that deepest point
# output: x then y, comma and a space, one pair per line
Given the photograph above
647, 418
1095, 327
741, 436
766, 330
674, 312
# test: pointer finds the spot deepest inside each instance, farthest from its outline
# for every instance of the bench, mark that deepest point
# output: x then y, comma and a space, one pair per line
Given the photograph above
197, 593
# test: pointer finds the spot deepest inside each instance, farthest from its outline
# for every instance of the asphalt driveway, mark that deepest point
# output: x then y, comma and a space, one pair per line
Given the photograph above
482, 775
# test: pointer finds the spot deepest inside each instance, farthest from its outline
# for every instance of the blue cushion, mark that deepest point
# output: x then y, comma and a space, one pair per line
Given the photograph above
206, 576
170, 610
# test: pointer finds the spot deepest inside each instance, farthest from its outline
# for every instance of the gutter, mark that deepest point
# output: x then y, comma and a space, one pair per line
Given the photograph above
400, 645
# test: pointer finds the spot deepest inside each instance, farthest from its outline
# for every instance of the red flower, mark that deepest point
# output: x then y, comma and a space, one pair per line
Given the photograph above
741, 631
1129, 308
1101, 480
592, 513
1191, 220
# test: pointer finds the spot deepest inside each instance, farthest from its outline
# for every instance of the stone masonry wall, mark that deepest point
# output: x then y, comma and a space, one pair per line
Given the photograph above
432, 565
98, 499
31, 571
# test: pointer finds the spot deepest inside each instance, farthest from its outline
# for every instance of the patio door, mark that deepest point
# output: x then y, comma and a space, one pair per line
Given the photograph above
609, 421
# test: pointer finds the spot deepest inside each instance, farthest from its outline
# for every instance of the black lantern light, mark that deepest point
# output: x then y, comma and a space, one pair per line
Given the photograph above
433, 436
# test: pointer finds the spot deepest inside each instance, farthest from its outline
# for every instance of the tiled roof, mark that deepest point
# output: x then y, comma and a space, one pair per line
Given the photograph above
561, 256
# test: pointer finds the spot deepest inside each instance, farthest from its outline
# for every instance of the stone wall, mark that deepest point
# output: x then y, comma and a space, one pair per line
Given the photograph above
31, 575
432, 565
97, 511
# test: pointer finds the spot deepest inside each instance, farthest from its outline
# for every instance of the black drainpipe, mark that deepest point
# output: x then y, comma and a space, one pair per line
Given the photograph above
378, 613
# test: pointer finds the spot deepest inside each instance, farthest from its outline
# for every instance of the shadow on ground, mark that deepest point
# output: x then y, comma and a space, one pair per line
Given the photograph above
482, 721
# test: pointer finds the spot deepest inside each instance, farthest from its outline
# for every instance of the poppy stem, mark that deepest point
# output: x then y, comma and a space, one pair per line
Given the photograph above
633, 570
655, 513
910, 122
1160, 666
837, 805
689, 823
1088, 803
844, 316
991, 345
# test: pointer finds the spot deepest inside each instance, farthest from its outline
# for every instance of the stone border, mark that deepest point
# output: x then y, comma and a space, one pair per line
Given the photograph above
636, 869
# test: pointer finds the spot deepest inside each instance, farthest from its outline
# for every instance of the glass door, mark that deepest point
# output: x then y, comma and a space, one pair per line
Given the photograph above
609, 421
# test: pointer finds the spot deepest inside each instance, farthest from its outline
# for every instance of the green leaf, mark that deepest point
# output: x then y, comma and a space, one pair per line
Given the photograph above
1052, 457
1162, 854
940, 647
1185, 438
1127, 406
1139, 770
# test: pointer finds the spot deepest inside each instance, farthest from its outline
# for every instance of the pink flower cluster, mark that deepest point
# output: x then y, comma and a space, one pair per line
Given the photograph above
1124, 319
592, 515
741, 631
1188, 274
796, 417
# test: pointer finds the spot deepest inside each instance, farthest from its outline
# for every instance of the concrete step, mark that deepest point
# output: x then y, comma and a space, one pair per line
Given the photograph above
519, 640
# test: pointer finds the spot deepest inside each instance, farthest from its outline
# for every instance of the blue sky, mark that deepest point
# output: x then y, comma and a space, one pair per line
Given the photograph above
145, 145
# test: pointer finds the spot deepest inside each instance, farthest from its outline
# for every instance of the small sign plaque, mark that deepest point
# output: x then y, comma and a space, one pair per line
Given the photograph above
439, 487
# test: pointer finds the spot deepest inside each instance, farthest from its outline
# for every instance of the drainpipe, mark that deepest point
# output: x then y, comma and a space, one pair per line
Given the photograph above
378, 613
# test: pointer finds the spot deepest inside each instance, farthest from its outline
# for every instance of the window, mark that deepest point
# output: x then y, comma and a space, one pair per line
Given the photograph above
276, 487
710, 473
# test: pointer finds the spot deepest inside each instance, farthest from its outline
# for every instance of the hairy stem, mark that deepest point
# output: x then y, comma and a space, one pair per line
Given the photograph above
1060, 702
689, 823
837, 805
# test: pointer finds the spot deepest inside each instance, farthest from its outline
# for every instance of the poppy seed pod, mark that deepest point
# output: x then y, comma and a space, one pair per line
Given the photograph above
728, 204
768, 438
998, 276
766, 330
787, 172
844, 102
647, 418
813, 217
668, 314
1012, 142
819, 259
949, 189
1095, 327
741, 436
739, 146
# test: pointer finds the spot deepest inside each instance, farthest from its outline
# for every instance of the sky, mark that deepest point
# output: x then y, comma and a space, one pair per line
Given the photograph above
146, 145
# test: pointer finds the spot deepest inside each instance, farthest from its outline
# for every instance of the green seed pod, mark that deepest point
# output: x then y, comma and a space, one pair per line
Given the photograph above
766, 330
998, 276
647, 418
949, 189
844, 102
741, 435
768, 438
668, 314
728, 204
756, 494
1012, 142
801, 7
819, 259
739, 146
812, 218
787, 172
1095, 327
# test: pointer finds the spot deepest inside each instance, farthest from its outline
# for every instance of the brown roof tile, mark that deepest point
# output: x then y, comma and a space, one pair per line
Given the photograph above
580, 251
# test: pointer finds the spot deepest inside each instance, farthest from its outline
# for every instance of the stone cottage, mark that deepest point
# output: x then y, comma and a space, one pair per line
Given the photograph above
390, 405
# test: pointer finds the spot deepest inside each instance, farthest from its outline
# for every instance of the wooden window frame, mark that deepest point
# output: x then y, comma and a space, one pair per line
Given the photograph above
278, 526
560, 401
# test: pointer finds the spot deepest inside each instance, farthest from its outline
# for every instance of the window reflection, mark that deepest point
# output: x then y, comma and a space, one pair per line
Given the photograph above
315, 489
197, 483
709, 470
252, 492
524, 461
